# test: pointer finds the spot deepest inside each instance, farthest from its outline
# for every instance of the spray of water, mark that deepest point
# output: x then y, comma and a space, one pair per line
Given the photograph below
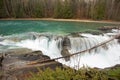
101, 57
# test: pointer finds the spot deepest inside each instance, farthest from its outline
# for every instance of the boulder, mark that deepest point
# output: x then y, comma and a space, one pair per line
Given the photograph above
66, 42
15, 66
65, 46
65, 53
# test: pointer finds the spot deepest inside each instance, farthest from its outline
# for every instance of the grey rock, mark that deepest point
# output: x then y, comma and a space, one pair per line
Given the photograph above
16, 65
65, 53
76, 34
17, 51
94, 32
66, 42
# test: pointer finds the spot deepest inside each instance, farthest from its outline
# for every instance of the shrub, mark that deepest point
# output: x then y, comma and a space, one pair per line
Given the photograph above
70, 74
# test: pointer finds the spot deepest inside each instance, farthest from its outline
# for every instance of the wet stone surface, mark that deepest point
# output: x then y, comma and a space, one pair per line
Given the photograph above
13, 66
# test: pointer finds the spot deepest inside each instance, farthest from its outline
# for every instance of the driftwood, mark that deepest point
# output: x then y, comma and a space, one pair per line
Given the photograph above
87, 50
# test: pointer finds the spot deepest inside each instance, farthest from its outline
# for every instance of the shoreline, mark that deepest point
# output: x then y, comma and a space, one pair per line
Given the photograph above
67, 20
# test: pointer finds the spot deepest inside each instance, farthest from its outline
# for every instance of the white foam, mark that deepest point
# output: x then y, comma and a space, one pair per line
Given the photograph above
52, 47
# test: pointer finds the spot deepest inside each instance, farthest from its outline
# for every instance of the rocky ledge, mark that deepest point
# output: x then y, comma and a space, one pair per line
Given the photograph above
108, 28
15, 64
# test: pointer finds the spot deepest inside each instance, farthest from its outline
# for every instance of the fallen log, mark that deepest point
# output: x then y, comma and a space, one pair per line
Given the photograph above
87, 50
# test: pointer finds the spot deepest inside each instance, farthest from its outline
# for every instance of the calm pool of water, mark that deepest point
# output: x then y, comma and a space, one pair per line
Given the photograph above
8, 27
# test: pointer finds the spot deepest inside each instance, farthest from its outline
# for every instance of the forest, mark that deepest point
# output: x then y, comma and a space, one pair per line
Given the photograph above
65, 9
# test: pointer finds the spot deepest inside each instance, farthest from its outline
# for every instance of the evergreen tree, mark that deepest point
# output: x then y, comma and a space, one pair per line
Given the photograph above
2, 10
67, 10
99, 10
82, 9
19, 12
39, 11
58, 9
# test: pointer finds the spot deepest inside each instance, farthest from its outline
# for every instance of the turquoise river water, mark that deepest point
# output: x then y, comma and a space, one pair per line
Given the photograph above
51, 37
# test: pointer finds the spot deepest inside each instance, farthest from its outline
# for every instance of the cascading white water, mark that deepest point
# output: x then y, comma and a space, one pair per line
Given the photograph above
101, 57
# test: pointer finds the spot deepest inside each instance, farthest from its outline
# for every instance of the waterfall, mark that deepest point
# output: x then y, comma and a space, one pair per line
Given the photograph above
57, 46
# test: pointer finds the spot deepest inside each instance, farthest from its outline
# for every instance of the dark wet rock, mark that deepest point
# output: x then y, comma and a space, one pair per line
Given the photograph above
33, 37
33, 56
77, 34
15, 66
1, 59
65, 46
118, 37
108, 28
66, 42
94, 32
65, 53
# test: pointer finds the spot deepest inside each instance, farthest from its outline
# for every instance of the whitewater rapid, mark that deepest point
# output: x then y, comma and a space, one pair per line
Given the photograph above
52, 45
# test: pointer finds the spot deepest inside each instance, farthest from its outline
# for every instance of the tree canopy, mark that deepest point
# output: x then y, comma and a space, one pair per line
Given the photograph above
80, 9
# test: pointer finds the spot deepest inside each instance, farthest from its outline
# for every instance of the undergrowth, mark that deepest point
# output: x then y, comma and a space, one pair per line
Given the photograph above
81, 74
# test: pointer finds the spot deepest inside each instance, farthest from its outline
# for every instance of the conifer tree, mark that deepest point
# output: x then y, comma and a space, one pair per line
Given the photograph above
38, 10
67, 9
58, 9
2, 9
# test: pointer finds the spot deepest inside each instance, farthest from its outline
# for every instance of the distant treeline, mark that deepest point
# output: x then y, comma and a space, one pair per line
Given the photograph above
80, 9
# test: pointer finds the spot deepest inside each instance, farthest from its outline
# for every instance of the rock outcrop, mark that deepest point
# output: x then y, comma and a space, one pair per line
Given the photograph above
75, 34
108, 28
65, 46
18, 66
65, 53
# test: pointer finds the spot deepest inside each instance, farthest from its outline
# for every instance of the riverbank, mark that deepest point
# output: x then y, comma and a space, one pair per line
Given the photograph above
70, 20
